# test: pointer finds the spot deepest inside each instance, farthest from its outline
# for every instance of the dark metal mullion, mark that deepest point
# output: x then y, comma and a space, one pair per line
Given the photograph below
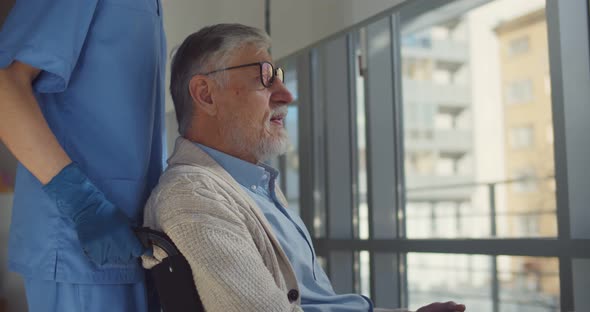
319, 125
369, 166
495, 284
492, 198
305, 137
383, 193
354, 196
494, 265
373, 273
338, 152
324, 153
566, 283
398, 152
267, 16
560, 152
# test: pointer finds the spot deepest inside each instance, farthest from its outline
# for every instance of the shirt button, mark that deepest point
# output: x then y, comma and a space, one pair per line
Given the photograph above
253, 187
293, 295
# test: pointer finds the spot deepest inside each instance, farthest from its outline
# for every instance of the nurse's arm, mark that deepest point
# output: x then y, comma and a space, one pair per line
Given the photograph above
23, 129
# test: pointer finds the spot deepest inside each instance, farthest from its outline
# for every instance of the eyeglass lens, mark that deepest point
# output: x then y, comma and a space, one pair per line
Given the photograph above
268, 74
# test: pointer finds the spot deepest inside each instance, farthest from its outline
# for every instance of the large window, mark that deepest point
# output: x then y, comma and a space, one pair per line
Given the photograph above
467, 44
433, 157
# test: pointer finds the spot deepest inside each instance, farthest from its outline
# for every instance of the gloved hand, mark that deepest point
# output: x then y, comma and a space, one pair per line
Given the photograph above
103, 230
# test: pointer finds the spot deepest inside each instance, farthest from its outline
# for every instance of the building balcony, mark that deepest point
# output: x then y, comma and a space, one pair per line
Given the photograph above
438, 188
444, 50
450, 96
441, 140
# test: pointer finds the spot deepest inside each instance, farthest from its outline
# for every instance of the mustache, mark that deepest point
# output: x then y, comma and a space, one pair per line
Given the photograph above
280, 110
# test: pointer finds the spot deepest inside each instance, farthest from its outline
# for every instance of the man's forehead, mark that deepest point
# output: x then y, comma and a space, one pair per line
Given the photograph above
250, 54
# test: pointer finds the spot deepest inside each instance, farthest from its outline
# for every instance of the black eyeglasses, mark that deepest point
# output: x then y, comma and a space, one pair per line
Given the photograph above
267, 72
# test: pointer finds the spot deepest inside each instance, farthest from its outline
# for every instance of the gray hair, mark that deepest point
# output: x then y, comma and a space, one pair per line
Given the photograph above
208, 49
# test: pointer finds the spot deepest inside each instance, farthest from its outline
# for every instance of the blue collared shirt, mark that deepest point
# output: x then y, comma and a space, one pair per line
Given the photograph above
101, 90
259, 181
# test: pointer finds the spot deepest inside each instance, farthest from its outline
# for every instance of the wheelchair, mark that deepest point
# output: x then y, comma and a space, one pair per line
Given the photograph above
172, 278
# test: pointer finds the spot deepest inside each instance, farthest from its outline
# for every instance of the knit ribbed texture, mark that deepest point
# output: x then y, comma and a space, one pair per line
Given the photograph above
236, 261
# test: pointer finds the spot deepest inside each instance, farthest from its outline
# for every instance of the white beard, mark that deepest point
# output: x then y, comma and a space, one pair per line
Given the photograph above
261, 148
272, 146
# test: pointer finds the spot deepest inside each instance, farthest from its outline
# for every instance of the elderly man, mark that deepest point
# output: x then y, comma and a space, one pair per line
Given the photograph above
218, 202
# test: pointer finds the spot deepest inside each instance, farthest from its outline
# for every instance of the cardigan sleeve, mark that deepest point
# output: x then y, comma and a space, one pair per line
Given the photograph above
227, 267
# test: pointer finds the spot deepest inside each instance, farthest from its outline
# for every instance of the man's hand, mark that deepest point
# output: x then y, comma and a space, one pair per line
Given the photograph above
103, 230
443, 307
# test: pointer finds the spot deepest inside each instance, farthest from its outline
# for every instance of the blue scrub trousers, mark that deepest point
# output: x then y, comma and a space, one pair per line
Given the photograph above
48, 296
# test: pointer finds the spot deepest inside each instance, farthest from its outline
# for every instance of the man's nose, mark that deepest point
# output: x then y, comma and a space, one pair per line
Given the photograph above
280, 93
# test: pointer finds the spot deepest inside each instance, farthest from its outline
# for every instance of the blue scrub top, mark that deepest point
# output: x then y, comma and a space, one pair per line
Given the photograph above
101, 91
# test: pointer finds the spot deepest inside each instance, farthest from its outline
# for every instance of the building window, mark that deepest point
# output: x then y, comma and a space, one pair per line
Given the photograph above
419, 69
446, 166
518, 46
529, 226
525, 181
519, 92
420, 162
521, 137
444, 121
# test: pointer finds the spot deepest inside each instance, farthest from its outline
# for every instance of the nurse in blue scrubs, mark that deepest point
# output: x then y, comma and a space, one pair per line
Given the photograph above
81, 108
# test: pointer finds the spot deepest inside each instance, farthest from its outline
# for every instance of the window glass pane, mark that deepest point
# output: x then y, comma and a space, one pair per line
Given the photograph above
291, 80
525, 284
477, 120
461, 278
364, 273
528, 284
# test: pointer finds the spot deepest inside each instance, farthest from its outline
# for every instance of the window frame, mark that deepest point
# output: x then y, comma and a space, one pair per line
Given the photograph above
567, 23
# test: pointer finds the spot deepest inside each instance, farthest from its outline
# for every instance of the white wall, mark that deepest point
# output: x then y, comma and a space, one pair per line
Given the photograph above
294, 24
297, 24
183, 17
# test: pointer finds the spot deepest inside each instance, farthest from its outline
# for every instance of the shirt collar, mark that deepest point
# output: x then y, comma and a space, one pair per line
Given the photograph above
245, 173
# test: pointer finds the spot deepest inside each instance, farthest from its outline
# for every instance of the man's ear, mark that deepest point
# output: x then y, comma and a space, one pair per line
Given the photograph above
200, 88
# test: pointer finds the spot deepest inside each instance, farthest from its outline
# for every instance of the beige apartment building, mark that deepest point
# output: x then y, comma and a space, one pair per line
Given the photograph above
528, 148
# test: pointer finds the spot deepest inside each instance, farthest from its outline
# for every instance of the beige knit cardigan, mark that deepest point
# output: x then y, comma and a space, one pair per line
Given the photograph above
237, 262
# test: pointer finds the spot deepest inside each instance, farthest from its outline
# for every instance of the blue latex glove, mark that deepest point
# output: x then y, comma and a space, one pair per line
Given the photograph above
103, 230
